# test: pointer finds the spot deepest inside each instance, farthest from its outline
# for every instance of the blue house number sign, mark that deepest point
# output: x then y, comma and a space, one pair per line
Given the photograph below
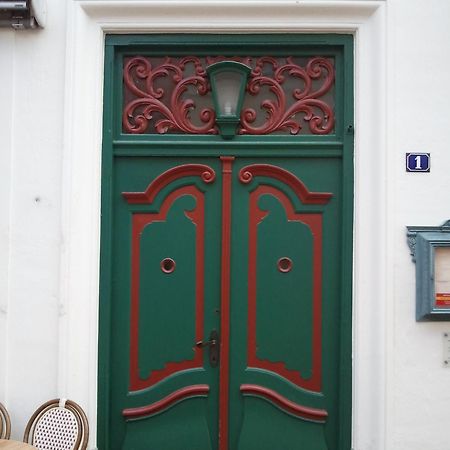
417, 162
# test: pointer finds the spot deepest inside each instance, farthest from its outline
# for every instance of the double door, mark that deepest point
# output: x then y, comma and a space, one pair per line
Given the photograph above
225, 303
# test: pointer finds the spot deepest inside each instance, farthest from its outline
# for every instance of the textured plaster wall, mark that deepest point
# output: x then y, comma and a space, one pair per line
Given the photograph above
419, 389
31, 109
6, 94
32, 80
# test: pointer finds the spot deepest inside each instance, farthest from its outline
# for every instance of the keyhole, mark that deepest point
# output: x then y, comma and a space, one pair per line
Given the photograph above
167, 265
285, 264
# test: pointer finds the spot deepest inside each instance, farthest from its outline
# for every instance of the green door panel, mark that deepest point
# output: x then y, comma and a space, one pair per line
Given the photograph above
160, 311
163, 292
277, 307
274, 217
280, 290
278, 313
185, 423
264, 427
284, 253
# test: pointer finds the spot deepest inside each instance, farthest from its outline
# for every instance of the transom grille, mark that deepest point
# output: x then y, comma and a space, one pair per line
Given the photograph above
284, 95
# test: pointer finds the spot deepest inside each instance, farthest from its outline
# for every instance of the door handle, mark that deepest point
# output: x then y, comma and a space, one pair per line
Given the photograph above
214, 345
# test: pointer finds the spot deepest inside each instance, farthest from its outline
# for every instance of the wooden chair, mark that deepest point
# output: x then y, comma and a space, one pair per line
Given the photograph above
5, 423
59, 424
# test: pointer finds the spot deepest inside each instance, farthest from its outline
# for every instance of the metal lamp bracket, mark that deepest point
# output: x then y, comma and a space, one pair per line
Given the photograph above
22, 14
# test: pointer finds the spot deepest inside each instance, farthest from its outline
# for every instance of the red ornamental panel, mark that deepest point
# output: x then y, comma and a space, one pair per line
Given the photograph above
283, 95
290, 407
139, 222
314, 222
198, 390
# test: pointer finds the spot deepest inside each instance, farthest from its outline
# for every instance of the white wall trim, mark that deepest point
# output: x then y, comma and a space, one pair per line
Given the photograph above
7, 88
88, 21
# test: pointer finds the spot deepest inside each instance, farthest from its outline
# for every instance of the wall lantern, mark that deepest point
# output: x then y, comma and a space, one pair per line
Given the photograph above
22, 14
430, 249
228, 80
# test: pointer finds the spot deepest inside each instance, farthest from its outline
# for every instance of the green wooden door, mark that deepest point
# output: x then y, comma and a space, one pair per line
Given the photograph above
225, 280
167, 273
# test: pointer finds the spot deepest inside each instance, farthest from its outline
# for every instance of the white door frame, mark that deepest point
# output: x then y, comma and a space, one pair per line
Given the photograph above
88, 22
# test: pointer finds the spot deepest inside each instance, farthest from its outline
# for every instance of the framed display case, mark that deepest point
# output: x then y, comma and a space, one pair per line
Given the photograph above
430, 249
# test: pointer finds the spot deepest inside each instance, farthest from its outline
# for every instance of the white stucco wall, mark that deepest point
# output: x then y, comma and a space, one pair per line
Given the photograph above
419, 386
401, 401
32, 100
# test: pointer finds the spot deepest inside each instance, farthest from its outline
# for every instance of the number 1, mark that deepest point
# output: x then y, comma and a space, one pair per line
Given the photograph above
418, 161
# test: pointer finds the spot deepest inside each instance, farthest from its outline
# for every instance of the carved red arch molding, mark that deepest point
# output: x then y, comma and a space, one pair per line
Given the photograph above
307, 197
206, 173
197, 390
284, 404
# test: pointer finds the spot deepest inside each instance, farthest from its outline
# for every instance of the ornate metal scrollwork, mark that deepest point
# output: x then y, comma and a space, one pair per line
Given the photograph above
164, 96
280, 115
148, 98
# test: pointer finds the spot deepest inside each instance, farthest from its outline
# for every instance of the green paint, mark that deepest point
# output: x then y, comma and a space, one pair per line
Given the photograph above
184, 423
281, 238
166, 326
163, 293
281, 296
266, 428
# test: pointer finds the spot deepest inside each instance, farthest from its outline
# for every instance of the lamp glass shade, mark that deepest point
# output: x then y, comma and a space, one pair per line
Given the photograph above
228, 92
228, 81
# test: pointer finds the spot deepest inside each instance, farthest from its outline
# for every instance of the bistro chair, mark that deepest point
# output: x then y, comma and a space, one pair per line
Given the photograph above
59, 424
5, 423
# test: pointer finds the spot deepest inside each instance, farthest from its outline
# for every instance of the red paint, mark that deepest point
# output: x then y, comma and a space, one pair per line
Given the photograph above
186, 170
227, 162
199, 390
139, 222
247, 173
303, 412
314, 221
147, 98
151, 108
317, 113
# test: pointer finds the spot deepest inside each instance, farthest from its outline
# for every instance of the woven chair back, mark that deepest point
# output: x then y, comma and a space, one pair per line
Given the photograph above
58, 425
5, 423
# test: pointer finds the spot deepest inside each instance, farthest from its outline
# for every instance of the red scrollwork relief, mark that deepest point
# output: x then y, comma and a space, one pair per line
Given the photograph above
141, 80
283, 95
281, 115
